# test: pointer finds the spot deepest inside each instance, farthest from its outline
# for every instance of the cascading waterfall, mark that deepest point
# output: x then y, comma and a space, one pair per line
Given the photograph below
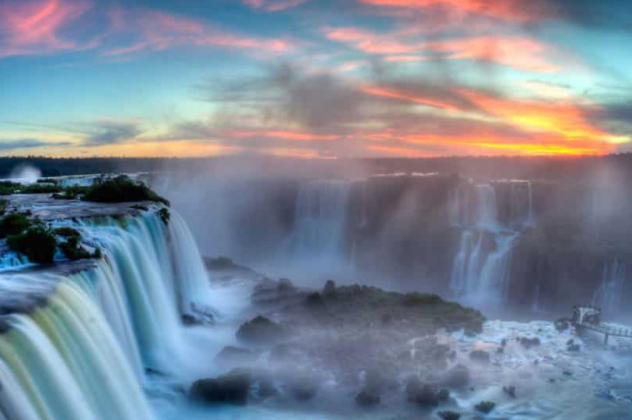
321, 216
83, 352
609, 296
480, 271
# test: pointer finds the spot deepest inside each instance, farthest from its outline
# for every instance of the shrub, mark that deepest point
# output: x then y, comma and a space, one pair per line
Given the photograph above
67, 232
164, 215
13, 224
422, 299
71, 193
8, 187
3, 206
73, 250
121, 189
38, 244
40, 189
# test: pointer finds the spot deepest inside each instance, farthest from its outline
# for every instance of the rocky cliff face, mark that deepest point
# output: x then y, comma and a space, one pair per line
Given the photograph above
535, 244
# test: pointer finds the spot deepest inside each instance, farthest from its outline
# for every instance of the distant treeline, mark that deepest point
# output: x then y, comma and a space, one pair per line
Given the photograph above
478, 167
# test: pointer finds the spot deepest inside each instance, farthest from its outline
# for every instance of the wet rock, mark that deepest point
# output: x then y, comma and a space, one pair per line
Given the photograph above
266, 388
285, 285
485, 407
572, 347
367, 399
510, 390
261, 331
235, 356
232, 388
314, 299
480, 356
529, 343
330, 289
303, 388
423, 394
456, 377
449, 415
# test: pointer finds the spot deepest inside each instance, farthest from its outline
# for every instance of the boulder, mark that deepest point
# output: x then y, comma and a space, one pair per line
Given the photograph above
261, 331
529, 342
423, 394
456, 377
303, 388
449, 415
480, 356
330, 289
232, 355
485, 407
367, 399
510, 390
232, 388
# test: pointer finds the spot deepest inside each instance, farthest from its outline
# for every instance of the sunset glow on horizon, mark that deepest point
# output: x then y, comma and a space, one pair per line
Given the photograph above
314, 78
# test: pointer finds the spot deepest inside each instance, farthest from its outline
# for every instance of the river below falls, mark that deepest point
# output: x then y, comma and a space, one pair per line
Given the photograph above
552, 382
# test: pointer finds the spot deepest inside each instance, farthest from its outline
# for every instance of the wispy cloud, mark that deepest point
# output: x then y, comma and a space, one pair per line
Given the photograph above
11, 145
34, 27
515, 52
109, 132
273, 5
156, 31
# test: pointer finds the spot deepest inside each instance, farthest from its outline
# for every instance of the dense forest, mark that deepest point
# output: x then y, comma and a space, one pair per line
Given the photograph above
549, 168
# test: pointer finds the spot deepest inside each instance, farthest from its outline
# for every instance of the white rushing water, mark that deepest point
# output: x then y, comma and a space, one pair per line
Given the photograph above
481, 266
321, 218
83, 355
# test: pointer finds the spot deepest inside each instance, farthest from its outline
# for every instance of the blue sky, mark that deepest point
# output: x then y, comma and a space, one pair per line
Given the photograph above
314, 78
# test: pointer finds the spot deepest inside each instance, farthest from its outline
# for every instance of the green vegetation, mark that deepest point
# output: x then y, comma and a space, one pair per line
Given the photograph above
39, 189
37, 243
120, 190
73, 250
164, 215
67, 232
3, 206
14, 224
422, 299
8, 187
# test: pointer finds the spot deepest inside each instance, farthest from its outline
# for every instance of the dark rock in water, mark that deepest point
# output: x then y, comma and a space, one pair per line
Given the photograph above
485, 407
235, 356
449, 415
330, 289
232, 388
314, 299
574, 348
285, 285
529, 342
510, 390
480, 356
457, 377
443, 395
266, 388
261, 331
367, 399
303, 388
422, 394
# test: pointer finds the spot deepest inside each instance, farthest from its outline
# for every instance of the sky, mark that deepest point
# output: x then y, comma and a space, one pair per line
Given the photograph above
315, 78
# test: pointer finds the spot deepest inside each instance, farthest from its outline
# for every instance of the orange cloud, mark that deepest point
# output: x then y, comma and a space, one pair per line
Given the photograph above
158, 31
507, 10
566, 120
285, 135
32, 27
393, 94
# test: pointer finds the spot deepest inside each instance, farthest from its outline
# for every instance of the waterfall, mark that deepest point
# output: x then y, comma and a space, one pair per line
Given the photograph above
482, 263
76, 346
609, 295
321, 218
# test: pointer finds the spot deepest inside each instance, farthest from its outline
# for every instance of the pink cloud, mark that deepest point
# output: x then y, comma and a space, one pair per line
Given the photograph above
274, 5
156, 31
33, 27
515, 52
506, 10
